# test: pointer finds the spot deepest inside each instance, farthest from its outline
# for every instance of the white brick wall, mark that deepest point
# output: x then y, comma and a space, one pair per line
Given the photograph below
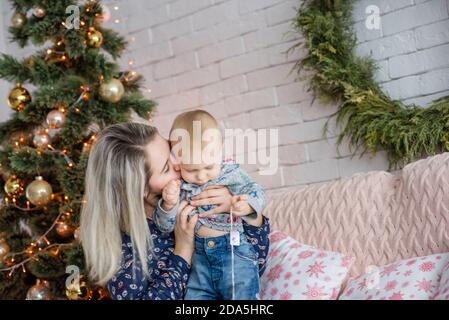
411, 47
228, 57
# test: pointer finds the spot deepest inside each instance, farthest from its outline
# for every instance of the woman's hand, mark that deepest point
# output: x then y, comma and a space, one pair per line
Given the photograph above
184, 232
222, 198
213, 195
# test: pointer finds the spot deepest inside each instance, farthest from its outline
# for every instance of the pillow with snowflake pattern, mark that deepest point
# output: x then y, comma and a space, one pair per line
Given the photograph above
409, 279
297, 271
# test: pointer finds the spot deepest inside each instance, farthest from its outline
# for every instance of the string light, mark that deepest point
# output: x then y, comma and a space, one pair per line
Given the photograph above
55, 248
54, 252
63, 153
30, 250
60, 55
34, 257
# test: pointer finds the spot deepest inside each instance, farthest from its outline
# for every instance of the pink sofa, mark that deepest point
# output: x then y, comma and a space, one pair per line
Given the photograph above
378, 217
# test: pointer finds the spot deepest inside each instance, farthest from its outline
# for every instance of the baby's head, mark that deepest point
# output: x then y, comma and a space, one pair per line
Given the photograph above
197, 144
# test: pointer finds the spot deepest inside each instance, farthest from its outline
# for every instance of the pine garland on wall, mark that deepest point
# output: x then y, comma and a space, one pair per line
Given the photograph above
371, 120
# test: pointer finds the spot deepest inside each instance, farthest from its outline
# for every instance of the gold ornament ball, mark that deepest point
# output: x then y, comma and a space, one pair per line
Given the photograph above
14, 187
80, 291
4, 249
41, 140
64, 230
112, 91
18, 20
39, 12
40, 291
55, 119
39, 192
19, 97
94, 38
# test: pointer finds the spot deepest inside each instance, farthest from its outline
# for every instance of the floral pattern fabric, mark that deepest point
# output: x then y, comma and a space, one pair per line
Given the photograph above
409, 279
168, 272
300, 272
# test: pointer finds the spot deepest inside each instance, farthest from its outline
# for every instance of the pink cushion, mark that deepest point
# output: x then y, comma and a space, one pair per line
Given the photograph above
298, 272
410, 279
378, 217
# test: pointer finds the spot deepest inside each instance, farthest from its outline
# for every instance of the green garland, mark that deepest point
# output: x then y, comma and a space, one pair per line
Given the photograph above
372, 121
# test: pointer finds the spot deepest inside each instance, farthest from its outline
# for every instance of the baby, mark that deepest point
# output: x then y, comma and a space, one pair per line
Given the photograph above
224, 265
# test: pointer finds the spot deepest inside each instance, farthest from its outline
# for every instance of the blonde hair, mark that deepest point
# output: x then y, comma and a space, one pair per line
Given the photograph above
116, 184
186, 123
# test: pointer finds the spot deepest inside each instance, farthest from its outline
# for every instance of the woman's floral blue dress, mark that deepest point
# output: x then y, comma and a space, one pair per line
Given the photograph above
168, 272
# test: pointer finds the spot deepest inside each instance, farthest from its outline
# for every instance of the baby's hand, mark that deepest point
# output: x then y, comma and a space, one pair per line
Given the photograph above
240, 206
170, 194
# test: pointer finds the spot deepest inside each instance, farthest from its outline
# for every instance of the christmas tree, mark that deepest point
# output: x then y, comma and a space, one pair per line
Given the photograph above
78, 90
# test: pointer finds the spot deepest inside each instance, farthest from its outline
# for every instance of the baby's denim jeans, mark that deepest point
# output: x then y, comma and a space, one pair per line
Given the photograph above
211, 274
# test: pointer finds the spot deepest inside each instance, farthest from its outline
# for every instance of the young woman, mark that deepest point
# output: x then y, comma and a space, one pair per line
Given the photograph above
128, 167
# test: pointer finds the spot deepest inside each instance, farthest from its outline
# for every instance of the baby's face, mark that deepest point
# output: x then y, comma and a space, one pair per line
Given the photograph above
200, 173
207, 168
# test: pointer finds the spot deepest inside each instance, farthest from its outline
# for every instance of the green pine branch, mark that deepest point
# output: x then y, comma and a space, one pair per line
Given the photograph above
371, 121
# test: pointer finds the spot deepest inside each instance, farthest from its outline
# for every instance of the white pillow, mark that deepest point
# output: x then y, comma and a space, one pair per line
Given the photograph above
410, 279
443, 292
299, 272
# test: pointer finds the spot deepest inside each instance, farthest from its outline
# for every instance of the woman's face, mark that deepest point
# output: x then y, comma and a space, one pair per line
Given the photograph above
162, 163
